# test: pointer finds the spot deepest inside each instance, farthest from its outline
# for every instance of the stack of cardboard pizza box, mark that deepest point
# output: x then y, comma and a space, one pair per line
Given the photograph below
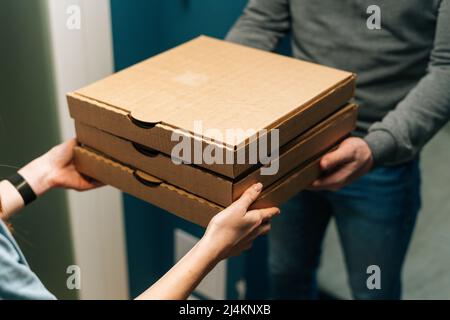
191, 129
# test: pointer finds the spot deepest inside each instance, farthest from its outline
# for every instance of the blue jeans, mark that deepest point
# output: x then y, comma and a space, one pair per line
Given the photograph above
375, 217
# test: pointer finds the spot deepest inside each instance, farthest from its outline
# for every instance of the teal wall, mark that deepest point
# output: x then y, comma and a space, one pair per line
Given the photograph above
143, 28
29, 127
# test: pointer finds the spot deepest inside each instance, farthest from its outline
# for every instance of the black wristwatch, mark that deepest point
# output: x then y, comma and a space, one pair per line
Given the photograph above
22, 187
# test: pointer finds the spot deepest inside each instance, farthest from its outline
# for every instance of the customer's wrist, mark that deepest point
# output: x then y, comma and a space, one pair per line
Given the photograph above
211, 249
38, 175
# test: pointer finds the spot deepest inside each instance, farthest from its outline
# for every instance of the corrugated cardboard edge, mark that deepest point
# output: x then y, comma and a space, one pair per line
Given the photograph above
197, 180
322, 138
183, 204
205, 184
297, 180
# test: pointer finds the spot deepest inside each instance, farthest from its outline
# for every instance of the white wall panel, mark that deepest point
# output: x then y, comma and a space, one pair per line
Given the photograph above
80, 57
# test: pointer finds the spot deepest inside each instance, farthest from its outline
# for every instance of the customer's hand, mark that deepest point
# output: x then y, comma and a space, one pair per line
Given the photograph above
229, 233
234, 229
56, 169
350, 161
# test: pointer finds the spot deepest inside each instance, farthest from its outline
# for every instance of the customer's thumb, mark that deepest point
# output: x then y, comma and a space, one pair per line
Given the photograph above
249, 196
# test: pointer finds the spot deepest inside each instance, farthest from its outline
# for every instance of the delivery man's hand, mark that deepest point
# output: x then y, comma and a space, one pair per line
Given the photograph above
234, 229
56, 169
350, 161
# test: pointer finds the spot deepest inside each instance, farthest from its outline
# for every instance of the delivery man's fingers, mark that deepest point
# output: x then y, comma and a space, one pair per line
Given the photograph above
339, 157
333, 182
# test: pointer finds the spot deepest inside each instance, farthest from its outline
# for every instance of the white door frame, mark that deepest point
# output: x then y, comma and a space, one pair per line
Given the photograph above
81, 56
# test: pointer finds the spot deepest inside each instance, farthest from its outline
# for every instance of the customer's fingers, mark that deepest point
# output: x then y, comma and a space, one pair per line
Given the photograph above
264, 229
268, 213
247, 245
71, 143
258, 229
260, 216
249, 196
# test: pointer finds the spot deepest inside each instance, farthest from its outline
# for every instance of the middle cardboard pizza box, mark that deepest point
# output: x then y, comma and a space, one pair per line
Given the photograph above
206, 184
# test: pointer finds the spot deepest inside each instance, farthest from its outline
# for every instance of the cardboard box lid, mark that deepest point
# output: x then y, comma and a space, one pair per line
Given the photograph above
223, 85
204, 183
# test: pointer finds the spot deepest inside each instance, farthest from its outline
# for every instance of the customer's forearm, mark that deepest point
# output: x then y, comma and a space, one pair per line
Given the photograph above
179, 282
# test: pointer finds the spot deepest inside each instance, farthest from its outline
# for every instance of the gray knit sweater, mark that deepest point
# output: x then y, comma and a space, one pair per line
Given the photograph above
403, 69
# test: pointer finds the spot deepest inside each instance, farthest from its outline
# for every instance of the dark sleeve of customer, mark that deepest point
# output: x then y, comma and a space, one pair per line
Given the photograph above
262, 25
424, 111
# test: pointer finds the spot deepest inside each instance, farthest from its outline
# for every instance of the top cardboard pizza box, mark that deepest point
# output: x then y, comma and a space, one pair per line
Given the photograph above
218, 96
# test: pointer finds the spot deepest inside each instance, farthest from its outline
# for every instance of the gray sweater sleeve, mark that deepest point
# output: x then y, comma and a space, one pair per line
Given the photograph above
262, 25
424, 111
